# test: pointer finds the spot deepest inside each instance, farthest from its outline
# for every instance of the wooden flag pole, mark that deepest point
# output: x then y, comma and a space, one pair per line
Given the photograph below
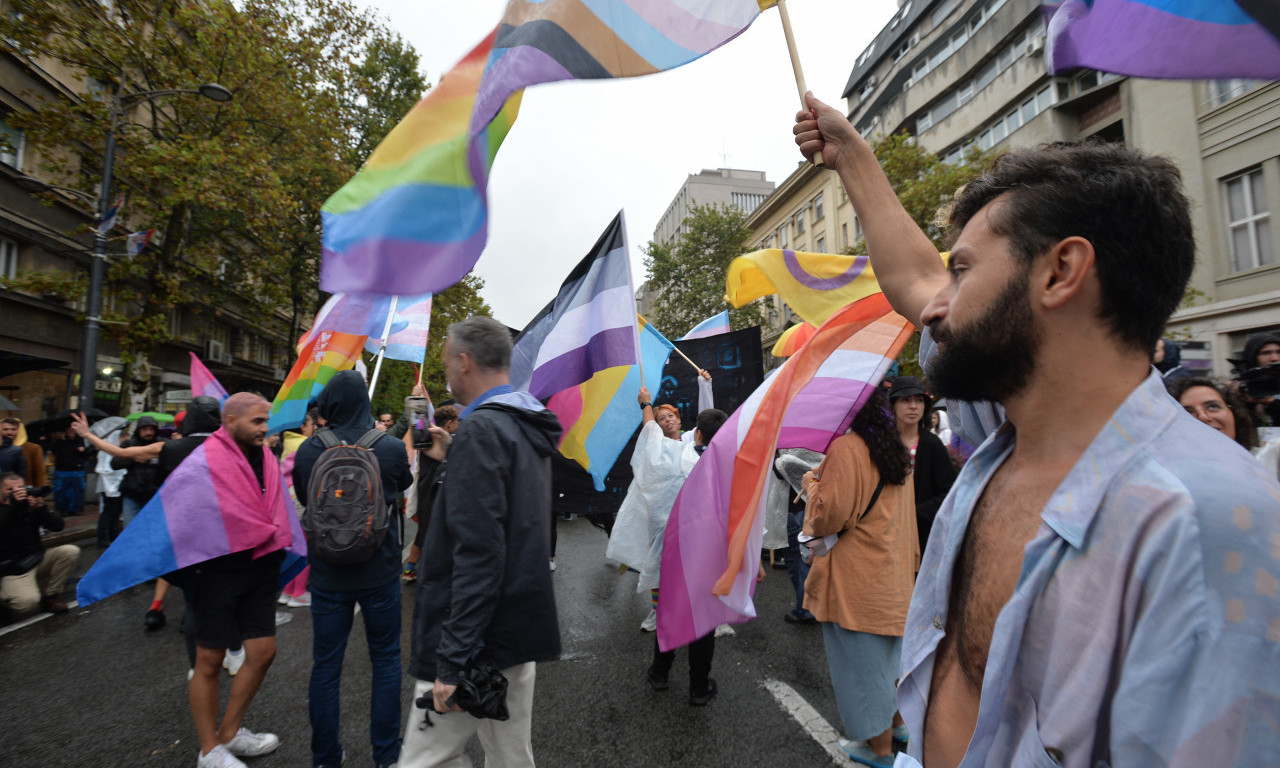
795, 62
677, 351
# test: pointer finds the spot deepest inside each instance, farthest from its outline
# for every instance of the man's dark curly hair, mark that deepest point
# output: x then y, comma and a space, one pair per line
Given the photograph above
874, 424
1246, 430
1128, 205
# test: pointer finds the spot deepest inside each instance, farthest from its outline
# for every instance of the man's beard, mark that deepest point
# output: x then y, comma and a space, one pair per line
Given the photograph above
993, 357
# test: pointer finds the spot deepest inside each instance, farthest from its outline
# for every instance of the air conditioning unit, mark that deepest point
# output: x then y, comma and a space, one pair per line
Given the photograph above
1036, 46
215, 352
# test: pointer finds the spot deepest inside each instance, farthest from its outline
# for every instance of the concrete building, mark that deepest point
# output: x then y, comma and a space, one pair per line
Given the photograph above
954, 73
41, 333
720, 186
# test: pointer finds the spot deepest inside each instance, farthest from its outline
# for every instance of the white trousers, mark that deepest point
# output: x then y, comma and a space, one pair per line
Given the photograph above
506, 744
22, 593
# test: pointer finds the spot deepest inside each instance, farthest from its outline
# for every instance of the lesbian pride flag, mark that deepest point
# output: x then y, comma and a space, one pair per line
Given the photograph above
210, 506
600, 415
1179, 39
712, 326
328, 353
204, 383
415, 218
711, 548
588, 327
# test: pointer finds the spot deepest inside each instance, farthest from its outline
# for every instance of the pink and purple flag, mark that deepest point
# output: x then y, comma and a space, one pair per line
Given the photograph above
210, 506
415, 218
204, 383
711, 547
712, 326
588, 327
1176, 39
365, 314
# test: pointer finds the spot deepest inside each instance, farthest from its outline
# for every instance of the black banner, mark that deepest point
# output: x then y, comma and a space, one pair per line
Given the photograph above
735, 362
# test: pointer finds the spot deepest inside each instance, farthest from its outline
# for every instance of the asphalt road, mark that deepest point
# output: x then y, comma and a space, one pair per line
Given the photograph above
91, 688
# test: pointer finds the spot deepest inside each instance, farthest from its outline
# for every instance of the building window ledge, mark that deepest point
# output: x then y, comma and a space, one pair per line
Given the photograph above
1247, 274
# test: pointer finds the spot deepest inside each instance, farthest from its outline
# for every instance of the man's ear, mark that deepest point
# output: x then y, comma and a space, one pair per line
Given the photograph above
1065, 271
697, 436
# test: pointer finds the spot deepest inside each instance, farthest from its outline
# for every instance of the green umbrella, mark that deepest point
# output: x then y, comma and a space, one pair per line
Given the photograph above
163, 418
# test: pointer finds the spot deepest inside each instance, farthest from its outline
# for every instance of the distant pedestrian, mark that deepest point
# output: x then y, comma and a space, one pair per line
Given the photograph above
70, 456
11, 456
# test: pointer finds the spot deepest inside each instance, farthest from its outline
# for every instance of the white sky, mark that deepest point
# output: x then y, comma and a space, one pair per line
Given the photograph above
582, 150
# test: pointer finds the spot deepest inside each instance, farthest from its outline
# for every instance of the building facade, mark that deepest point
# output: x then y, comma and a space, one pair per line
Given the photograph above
41, 332
741, 189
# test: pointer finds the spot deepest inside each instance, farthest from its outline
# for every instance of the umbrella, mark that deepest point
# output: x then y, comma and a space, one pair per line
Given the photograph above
163, 418
92, 414
108, 425
8, 405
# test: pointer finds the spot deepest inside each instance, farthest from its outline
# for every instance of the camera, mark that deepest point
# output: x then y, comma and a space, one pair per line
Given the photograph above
416, 406
38, 491
1259, 383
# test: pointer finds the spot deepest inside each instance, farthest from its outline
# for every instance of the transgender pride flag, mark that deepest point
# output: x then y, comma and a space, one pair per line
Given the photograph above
365, 314
588, 327
711, 548
712, 326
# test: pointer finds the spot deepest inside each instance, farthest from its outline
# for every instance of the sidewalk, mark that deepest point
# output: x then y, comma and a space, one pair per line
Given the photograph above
81, 526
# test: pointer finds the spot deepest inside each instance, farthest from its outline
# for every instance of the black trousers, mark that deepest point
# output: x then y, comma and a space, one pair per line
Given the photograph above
701, 652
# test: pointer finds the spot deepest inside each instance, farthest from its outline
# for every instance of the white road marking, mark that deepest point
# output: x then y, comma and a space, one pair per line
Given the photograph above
38, 617
809, 719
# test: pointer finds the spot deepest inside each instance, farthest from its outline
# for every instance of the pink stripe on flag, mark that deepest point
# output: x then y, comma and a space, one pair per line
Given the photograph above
567, 406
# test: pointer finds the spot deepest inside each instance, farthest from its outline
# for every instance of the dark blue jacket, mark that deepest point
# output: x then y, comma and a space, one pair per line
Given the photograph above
344, 405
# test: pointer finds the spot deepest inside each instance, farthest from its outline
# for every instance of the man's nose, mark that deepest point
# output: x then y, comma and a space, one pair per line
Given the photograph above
937, 308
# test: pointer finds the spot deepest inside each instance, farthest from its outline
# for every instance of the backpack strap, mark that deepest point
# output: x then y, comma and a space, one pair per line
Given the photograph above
327, 438
368, 439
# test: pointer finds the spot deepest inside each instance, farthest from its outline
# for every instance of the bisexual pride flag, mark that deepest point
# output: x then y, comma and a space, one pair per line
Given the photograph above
711, 548
210, 506
1178, 39
204, 383
415, 218
588, 327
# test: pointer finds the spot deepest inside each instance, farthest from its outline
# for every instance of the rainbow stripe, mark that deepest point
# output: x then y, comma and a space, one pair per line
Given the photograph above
793, 339
1179, 39
210, 506
600, 415
711, 547
204, 383
328, 353
415, 218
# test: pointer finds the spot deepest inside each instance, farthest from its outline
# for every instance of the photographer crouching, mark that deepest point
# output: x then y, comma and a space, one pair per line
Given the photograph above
31, 577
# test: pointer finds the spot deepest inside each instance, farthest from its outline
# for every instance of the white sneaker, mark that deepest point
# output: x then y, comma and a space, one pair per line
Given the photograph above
219, 757
249, 744
283, 599
191, 673
301, 601
283, 618
650, 622
553, 565
232, 661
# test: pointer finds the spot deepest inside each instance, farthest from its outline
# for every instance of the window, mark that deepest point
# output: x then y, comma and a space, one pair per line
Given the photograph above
821, 245
800, 222
1248, 221
262, 351
767, 243
782, 236
8, 259
924, 123
1222, 91
12, 144
817, 207
844, 235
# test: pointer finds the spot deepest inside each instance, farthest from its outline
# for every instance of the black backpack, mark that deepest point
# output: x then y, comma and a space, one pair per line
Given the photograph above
346, 516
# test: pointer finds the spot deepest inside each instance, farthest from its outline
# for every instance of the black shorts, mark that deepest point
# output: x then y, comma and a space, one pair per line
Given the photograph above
236, 599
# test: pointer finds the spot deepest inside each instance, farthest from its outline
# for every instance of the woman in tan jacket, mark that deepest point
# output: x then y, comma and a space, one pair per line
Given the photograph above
861, 505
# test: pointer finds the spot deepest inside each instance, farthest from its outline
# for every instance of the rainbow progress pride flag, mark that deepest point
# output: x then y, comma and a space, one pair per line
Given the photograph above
328, 353
600, 415
1179, 39
365, 314
415, 218
204, 383
711, 547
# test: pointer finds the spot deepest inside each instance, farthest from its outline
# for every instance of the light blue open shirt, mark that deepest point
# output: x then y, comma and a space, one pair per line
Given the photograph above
1145, 626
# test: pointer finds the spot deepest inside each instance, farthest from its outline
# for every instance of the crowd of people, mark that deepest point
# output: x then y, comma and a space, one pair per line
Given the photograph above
1055, 549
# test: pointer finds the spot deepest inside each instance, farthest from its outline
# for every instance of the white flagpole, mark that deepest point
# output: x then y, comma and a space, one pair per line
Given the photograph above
382, 345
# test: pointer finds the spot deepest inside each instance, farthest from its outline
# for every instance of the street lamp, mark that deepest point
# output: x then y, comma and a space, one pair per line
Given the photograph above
98, 267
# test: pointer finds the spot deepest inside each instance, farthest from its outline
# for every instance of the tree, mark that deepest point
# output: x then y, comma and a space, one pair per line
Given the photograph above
925, 186
452, 305
234, 188
688, 275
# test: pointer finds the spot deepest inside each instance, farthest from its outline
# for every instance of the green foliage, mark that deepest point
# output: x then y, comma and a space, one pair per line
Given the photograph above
235, 188
689, 275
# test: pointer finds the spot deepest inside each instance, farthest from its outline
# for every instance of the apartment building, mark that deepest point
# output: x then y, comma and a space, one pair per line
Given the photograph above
41, 334
957, 73
744, 190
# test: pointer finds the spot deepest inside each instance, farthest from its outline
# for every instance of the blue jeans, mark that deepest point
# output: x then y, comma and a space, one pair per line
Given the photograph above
68, 491
797, 568
331, 618
129, 509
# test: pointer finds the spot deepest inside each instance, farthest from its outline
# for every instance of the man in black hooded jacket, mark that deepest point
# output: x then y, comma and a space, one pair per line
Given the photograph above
374, 585
139, 484
485, 593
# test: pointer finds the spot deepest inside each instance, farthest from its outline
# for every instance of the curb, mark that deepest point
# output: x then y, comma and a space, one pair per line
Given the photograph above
70, 535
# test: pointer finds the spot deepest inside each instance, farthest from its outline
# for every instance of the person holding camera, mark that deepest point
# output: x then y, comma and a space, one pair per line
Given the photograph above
31, 577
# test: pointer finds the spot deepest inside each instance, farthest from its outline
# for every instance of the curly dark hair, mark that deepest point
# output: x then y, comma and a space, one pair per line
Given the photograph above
1246, 430
874, 424
1128, 205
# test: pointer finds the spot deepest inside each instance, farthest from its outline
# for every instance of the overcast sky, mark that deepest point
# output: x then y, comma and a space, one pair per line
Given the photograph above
583, 150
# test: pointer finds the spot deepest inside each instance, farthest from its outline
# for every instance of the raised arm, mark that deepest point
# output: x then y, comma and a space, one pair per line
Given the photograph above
80, 426
905, 261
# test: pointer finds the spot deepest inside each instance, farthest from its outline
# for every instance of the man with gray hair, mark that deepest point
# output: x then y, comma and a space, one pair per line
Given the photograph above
485, 594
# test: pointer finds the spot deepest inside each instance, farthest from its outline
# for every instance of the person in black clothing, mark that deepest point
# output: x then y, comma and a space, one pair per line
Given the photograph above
70, 455
374, 585
446, 418
31, 577
11, 458
140, 483
931, 469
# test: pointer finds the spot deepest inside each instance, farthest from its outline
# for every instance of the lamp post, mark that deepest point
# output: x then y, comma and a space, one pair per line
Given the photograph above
98, 265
